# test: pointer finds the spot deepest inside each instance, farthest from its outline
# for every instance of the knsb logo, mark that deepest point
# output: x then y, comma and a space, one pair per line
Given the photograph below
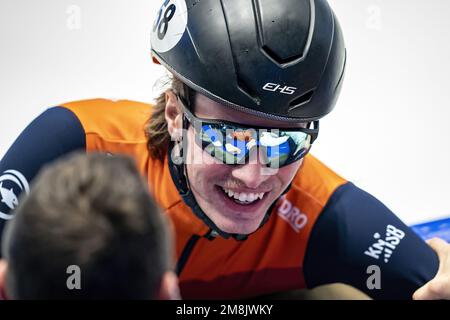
292, 215
12, 182
386, 245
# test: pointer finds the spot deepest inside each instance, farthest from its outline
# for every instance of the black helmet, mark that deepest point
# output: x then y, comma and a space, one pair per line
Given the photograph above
278, 59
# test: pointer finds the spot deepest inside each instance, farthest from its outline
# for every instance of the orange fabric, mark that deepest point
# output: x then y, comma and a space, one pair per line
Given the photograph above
115, 127
270, 260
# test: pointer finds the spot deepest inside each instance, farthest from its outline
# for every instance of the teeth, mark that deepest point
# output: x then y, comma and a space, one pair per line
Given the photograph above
243, 197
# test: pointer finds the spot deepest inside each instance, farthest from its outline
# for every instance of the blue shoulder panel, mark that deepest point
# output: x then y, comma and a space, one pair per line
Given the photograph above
54, 133
359, 241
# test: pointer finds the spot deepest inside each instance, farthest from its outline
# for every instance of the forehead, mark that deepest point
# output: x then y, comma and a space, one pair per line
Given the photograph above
209, 109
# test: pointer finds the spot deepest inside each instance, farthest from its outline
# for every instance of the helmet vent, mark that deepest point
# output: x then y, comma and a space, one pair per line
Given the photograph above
279, 60
298, 102
285, 29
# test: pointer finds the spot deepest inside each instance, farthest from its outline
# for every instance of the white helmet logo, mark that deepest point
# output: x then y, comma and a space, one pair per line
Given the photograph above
7, 195
278, 87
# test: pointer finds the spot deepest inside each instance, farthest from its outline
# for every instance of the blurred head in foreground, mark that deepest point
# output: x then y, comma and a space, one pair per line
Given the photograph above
88, 230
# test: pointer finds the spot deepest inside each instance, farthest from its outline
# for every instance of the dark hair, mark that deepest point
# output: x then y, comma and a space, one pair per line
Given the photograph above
94, 212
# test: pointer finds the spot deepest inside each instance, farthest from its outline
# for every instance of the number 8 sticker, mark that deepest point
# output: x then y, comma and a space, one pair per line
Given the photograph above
169, 26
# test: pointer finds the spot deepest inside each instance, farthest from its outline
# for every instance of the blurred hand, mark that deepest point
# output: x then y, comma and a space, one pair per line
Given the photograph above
439, 287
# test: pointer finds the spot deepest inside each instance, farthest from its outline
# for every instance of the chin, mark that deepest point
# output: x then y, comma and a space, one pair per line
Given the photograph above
237, 226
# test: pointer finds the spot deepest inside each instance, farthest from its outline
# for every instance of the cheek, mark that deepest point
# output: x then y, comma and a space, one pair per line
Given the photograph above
203, 178
286, 174
205, 172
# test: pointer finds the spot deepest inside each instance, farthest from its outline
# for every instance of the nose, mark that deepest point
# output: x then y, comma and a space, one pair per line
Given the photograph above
254, 173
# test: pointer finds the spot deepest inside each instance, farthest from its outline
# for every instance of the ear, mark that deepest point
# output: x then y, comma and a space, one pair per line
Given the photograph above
174, 116
169, 287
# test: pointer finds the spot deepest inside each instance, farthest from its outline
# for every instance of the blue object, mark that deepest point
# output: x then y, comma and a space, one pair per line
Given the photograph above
437, 228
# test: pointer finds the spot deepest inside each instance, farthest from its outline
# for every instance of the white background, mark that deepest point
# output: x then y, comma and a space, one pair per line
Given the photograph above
389, 133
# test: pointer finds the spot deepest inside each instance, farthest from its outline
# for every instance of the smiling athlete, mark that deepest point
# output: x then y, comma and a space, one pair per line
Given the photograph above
226, 154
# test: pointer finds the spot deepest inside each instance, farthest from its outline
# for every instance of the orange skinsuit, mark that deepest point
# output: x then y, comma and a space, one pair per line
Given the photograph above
239, 269
323, 230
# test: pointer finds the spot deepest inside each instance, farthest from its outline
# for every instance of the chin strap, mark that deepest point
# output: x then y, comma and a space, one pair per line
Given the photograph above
179, 176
